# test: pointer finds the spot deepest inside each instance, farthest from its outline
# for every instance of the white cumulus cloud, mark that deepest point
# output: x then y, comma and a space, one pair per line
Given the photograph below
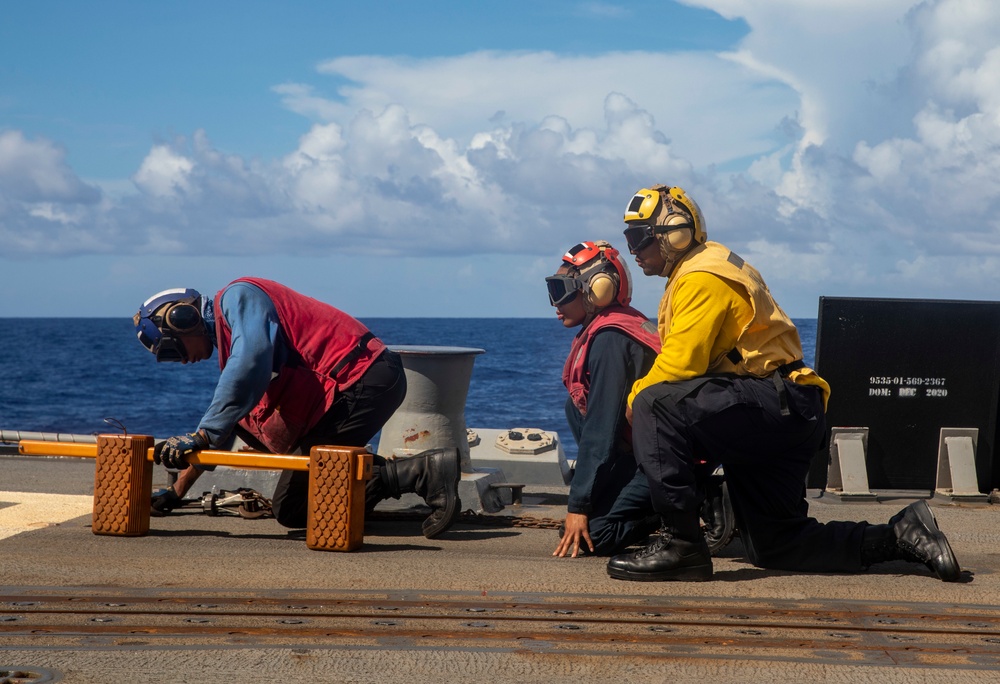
843, 146
36, 171
164, 172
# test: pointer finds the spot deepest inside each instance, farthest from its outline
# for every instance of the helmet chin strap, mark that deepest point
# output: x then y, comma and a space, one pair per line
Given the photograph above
671, 256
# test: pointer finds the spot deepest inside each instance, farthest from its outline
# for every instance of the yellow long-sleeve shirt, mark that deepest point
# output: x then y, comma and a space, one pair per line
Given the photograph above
708, 314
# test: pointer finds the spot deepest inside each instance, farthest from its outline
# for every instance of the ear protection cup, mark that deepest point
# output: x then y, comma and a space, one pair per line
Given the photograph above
602, 290
679, 238
698, 228
606, 276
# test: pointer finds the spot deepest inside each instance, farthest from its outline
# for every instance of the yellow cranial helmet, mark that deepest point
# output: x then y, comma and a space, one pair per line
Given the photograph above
663, 209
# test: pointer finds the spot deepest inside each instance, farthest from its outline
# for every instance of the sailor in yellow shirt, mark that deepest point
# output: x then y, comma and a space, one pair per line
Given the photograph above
730, 388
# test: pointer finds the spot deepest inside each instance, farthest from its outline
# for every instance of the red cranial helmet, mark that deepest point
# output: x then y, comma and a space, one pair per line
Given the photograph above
595, 269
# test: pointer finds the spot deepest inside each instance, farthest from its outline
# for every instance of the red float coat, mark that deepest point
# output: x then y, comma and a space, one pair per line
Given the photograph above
629, 321
328, 352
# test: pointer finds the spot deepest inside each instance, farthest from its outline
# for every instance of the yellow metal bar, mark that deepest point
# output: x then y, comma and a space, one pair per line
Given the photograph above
248, 459
236, 459
31, 447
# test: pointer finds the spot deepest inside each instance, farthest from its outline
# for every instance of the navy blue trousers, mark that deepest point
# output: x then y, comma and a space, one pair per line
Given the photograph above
737, 422
355, 417
622, 516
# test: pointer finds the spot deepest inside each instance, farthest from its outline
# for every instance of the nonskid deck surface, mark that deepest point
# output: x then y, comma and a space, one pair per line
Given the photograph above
830, 632
203, 597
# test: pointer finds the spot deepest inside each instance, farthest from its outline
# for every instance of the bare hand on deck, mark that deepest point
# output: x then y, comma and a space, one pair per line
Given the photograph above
577, 529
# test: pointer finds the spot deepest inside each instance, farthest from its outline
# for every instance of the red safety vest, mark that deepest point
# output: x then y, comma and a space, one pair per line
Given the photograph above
329, 352
576, 375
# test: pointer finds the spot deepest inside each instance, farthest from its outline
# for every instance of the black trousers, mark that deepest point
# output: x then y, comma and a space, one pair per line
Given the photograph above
737, 422
354, 418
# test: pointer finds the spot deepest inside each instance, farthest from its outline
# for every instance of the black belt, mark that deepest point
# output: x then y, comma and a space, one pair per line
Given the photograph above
353, 354
783, 371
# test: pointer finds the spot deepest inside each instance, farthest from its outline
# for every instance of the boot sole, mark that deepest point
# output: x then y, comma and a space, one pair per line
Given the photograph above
434, 530
949, 570
695, 573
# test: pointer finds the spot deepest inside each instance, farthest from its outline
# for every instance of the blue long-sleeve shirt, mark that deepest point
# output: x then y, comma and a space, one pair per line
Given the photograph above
258, 350
615, 362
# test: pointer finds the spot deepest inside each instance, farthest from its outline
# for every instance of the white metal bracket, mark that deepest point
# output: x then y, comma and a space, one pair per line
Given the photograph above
847, 476
956, 471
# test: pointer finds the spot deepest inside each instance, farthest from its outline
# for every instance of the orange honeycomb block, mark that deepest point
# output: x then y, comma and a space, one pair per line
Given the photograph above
123, 485
336, 516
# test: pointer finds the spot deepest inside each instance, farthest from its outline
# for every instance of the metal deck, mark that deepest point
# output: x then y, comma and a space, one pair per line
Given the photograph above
204, 597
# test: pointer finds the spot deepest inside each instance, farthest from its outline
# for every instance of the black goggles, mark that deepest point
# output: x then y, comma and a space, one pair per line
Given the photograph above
562, 288
639, 237
170, 349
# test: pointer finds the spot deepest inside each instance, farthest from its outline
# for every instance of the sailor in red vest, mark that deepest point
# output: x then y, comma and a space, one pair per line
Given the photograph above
609, 506
296, 373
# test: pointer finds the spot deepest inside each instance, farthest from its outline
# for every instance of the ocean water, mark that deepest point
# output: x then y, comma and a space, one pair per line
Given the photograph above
70, 374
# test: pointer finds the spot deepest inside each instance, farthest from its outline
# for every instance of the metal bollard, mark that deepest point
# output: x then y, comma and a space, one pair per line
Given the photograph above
335, 520
123, 485
432, 416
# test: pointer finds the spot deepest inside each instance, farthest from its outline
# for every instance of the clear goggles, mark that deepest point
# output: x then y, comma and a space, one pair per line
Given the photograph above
562, 288
639, 236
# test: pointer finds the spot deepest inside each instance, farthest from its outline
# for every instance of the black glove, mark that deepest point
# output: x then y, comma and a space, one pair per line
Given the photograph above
172, 452
164, 501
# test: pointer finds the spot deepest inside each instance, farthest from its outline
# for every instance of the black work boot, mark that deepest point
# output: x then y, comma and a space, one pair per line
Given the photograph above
433, 474
378, 487
878, 545
717, 515
679, 553
919, 540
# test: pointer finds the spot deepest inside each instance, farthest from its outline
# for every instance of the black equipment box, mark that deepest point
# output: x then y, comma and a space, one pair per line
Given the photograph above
905, 368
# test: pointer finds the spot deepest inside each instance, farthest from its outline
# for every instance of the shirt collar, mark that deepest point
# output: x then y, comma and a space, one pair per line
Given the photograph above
208, 317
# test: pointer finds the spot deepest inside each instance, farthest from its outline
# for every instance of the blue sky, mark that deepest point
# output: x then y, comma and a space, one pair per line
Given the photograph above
435, 159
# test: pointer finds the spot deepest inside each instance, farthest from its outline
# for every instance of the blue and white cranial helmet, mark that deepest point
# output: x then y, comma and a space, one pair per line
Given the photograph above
165, 316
